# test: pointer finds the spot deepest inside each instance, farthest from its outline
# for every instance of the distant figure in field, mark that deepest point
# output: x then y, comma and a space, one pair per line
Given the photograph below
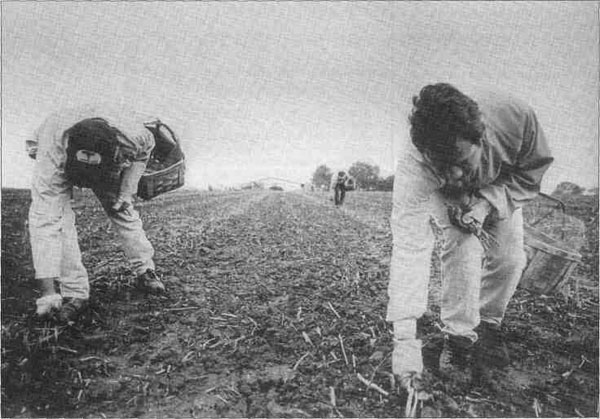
92, 149
340, 183
472, 165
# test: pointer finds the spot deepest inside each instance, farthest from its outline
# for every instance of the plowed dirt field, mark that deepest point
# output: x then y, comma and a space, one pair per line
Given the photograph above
275, 306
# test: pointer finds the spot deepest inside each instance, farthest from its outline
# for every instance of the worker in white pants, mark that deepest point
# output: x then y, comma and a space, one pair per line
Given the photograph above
487, 158
56, 254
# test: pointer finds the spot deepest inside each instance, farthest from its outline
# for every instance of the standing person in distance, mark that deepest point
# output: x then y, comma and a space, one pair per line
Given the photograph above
338, 183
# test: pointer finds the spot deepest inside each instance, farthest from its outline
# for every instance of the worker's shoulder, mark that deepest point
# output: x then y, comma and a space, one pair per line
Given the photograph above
498, 101
504, 112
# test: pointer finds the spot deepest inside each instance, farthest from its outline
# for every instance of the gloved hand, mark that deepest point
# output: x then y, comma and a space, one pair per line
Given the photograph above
407, 365
48, 303
407, 360
455, 214
121, 204
477, 212
470, 218
32, 148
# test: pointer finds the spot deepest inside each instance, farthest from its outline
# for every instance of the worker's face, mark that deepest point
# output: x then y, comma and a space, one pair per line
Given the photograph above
459, 170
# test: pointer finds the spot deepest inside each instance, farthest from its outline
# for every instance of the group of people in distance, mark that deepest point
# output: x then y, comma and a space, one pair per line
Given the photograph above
471, 164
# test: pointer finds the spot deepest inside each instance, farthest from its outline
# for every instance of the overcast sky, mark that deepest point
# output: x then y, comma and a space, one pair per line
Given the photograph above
259, 89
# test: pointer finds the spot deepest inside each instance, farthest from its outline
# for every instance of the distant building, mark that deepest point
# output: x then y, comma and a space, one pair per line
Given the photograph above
252, 185
284, 184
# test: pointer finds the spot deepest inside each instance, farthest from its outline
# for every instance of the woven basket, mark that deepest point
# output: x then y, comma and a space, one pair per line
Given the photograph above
165, 180
165, 170
350, 184
550, 261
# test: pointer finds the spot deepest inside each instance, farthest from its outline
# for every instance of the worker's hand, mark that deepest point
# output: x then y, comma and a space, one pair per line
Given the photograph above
472, 220
476, 213
455, 214
32, 148
407, 360
463, 219
121, 205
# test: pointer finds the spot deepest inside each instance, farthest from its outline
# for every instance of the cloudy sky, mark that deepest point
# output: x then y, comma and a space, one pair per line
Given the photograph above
259, 89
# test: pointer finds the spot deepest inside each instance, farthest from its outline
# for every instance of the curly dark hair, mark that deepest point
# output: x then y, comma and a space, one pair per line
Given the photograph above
442, 114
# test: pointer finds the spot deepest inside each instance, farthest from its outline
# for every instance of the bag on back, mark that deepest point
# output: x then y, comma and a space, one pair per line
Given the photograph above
92, 155
166, 168
350, 183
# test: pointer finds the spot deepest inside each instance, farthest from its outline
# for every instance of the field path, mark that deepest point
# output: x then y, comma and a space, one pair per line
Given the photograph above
266, 271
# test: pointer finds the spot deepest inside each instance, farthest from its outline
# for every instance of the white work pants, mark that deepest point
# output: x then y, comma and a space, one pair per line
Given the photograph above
475, 286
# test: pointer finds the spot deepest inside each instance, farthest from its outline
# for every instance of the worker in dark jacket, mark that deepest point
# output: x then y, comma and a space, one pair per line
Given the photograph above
472, 165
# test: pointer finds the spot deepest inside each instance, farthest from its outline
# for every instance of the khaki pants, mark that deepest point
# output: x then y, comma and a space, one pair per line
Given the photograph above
53, 234
475, 286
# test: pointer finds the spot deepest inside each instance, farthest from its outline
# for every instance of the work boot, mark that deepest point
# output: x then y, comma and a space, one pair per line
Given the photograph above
71, 309
150, 282
456, 358
490, 349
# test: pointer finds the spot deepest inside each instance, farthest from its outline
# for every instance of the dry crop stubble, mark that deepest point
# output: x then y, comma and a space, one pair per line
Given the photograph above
275, 307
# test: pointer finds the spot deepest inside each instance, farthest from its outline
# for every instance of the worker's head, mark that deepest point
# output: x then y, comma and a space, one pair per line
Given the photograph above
446, 127
341, 173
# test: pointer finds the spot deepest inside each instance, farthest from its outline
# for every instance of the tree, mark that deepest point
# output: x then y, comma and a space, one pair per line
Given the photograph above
322, 176
568, 188
366, 175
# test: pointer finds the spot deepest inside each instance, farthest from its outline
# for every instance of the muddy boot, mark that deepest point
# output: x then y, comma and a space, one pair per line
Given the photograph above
432, 349
490, 349
150, 282
490, 354
456, 359
71, 310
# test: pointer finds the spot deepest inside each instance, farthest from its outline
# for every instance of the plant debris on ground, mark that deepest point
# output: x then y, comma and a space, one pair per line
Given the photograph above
275, 307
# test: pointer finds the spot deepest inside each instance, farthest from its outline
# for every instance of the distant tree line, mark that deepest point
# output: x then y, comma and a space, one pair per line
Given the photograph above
570, 188
366, 176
